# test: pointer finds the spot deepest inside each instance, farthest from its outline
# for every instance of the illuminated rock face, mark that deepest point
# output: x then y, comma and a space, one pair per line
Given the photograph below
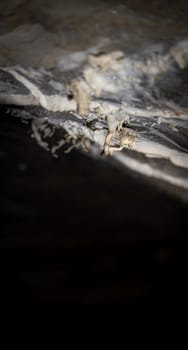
113, 77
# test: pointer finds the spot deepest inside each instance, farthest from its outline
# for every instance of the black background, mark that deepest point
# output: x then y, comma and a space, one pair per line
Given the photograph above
79, 232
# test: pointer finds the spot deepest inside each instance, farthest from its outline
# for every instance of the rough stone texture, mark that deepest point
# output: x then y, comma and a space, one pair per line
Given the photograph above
87, 228
114, 71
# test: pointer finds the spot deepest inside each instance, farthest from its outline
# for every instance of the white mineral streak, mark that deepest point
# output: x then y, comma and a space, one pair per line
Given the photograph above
148, 170
126, 75
52, 103
17, 100
107, 107
138, 112
120, 76
148, 148
156, 150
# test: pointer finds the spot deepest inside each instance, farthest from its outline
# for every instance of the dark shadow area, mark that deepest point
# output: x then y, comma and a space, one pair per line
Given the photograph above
79, 232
